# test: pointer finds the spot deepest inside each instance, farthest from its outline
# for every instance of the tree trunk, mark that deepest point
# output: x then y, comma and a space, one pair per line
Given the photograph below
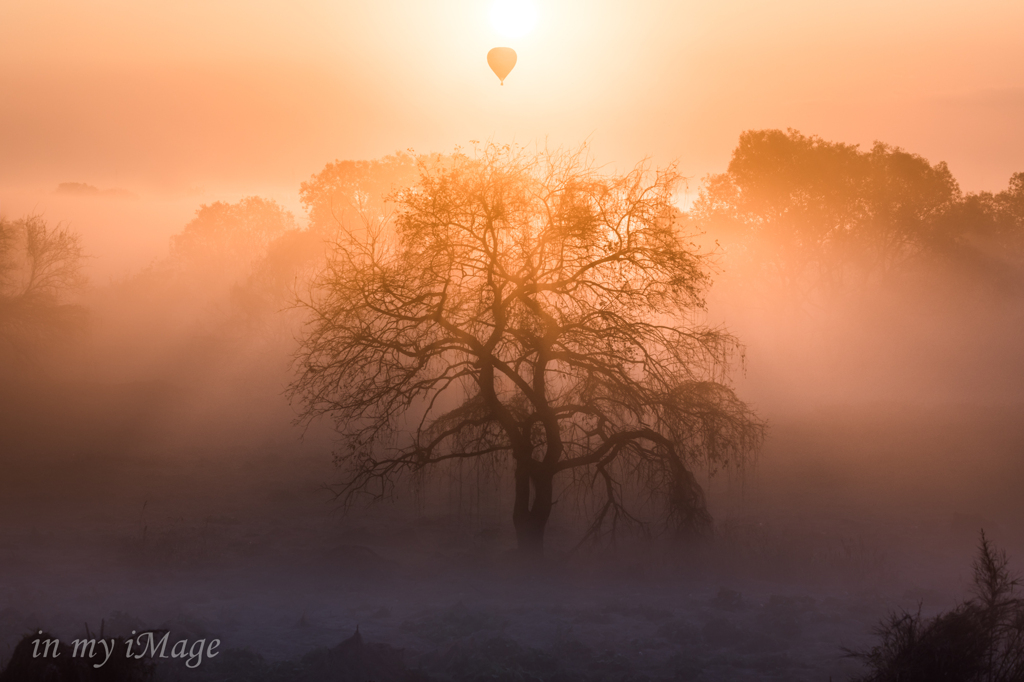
530, 520
688, 504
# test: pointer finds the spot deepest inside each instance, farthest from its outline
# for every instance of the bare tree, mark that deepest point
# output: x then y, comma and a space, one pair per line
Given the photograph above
526, 308
39, 266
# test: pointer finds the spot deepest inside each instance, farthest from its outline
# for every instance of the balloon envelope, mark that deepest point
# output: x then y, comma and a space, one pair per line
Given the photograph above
501, 60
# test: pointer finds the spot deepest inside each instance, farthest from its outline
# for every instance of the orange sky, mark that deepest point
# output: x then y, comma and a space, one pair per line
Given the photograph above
223, 97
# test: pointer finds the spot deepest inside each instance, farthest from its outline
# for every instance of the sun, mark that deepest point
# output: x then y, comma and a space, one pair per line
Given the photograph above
513, 18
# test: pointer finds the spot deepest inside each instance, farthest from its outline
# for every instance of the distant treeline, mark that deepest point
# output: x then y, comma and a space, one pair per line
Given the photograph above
793, 211
822, 216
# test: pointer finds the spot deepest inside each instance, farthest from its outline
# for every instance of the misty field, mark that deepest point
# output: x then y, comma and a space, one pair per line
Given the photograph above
114, 518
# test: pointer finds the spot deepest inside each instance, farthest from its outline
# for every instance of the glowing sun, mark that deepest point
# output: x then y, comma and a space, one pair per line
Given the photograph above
513, 18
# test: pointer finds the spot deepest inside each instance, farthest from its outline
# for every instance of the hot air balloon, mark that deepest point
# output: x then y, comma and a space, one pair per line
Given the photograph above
501, 60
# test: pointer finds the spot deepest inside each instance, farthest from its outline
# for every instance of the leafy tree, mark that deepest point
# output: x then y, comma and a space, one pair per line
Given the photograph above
270, 289
812, 214
342, 191
39, 266
526, 309
993, 221
218, 291
228, 239
907, 200
350, 190
1011, 202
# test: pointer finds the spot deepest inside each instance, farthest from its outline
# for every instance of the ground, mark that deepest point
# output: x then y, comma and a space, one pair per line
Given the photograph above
127, 526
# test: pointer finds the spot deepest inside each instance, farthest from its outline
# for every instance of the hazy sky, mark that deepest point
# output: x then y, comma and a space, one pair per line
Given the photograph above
168, 97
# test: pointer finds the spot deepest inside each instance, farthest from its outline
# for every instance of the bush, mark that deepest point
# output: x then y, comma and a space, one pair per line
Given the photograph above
981, 640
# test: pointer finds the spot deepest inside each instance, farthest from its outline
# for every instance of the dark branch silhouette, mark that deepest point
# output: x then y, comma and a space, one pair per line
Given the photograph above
982, 639
527, 308
39, 267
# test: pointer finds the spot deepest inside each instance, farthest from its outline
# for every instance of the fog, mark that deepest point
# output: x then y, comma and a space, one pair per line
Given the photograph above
186, 174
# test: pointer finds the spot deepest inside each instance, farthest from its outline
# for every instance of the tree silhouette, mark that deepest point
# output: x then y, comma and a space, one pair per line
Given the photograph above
345, 190
229, 239
985, 232
812, 214
980, 640
525, 308
39, 266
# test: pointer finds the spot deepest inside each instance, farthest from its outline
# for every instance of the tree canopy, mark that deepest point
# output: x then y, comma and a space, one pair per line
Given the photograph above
816, 215
229, 239
531, 310
347, 190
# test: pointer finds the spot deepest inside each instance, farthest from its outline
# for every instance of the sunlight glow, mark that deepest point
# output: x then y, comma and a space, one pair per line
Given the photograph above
513, 18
